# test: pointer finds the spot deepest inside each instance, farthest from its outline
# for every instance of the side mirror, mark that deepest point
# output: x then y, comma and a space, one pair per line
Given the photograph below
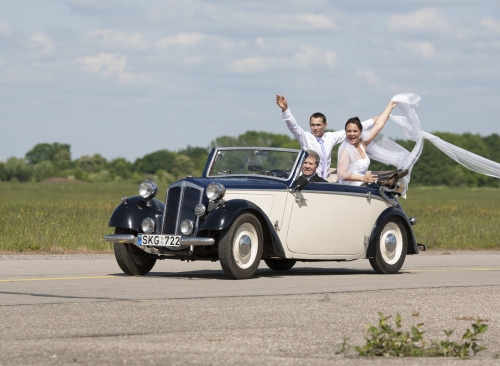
301, 183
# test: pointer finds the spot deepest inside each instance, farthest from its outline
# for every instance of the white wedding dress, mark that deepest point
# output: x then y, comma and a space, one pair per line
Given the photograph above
359, 166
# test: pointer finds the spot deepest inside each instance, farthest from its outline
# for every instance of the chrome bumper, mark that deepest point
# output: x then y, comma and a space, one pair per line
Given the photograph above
131, 239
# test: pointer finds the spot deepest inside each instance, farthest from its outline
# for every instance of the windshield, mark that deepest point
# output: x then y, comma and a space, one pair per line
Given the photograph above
273, 163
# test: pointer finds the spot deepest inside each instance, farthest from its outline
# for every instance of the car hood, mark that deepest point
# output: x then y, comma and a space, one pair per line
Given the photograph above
239, 183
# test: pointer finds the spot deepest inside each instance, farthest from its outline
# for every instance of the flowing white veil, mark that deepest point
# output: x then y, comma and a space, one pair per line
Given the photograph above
389, 152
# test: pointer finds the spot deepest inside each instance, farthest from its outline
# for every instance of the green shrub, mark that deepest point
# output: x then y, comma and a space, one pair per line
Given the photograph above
3, 173
384, 340
17, 168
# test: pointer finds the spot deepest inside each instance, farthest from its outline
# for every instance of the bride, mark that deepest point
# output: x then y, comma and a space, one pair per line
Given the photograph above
353, 162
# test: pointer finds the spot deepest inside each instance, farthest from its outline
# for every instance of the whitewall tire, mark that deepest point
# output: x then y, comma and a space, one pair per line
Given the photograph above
392, 244
240, 247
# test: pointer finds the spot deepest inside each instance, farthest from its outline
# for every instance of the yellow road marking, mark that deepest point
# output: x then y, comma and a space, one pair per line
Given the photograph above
450, 270
113, 276
57, 278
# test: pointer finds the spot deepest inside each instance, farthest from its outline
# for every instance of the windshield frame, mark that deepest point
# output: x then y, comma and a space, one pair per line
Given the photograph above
293, 173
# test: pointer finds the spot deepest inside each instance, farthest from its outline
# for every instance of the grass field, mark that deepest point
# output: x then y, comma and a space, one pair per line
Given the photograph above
57, 218
455, 218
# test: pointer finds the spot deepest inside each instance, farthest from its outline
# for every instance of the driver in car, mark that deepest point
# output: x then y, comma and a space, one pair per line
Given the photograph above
310, 166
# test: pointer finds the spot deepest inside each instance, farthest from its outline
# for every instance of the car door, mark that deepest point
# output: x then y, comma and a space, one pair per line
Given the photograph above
326, 222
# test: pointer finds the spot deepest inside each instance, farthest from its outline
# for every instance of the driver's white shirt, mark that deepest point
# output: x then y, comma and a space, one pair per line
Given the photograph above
308, 141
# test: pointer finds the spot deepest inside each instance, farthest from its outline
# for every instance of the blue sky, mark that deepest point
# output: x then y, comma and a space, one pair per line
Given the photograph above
125, 78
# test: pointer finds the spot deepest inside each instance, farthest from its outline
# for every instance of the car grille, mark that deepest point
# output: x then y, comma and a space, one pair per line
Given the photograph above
188, 197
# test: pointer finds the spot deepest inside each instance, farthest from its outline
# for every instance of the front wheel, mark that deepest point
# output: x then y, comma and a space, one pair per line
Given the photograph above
392, 244
131, 259
240, 247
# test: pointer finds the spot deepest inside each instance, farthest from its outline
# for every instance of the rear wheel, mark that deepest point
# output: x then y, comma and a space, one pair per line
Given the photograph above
240, 247
280, 264
392, 244
131, 259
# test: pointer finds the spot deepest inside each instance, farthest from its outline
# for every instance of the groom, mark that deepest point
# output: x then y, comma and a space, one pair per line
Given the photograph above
318, 140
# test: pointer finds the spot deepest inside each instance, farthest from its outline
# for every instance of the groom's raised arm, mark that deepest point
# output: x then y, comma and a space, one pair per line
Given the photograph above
292, 125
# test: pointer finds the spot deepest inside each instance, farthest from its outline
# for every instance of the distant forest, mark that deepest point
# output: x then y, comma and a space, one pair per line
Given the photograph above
54, 160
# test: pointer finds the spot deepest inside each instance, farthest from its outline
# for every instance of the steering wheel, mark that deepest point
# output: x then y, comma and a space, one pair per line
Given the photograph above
278, 173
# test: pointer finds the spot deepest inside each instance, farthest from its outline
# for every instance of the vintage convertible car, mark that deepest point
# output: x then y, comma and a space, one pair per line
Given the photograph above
252, 203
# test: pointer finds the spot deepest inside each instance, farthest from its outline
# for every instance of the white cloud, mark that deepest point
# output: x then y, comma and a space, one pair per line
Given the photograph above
5, 29
253, 64
89, 6
181, 39
119, 40
105, 64
307, 56
491, 25
367, 75
108, 65
253, 18
260, 22
424, 50
314, 21
424, 20
43, 43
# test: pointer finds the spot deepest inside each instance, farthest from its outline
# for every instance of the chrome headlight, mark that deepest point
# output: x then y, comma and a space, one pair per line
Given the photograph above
187, 227
200, 209
148, 225
148, 189
215, 191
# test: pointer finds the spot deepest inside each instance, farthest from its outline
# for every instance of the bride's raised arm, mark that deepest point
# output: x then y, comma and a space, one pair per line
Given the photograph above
380, 123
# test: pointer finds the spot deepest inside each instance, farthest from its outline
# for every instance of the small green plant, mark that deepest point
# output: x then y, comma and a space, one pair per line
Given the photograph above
384, 340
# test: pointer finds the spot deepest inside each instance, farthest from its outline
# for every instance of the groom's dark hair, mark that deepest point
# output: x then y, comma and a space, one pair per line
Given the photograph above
318, 115
356, 121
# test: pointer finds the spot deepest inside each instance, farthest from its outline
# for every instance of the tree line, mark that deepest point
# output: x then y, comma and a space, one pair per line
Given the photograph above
54, 160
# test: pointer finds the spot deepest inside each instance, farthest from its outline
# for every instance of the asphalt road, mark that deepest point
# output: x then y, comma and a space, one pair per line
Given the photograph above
80, 309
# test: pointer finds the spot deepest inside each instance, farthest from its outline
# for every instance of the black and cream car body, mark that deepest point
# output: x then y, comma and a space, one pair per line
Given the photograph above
251, 203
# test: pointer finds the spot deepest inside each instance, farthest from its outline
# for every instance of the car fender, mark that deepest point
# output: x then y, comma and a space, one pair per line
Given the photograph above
129, 214
377, 228
224, 215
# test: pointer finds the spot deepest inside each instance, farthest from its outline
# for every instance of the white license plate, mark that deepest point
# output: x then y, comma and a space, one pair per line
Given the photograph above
159, 240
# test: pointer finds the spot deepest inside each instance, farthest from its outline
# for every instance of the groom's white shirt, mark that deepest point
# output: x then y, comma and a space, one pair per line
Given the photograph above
308, 141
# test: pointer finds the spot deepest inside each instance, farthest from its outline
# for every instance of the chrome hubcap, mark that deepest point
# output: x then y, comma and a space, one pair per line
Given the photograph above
245, 245
390, 245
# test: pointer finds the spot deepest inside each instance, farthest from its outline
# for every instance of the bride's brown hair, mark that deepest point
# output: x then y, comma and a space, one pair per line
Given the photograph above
356, 121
